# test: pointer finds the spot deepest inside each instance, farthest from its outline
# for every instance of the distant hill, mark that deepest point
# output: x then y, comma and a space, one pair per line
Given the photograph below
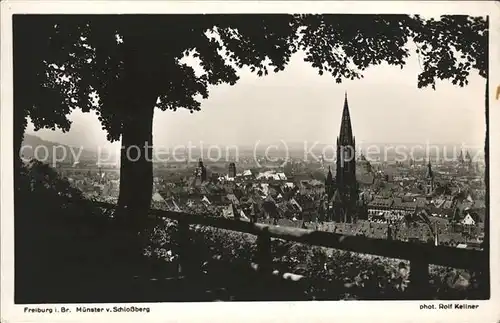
53, 152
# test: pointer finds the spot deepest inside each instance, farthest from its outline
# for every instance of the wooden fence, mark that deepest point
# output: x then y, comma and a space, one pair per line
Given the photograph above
419, 255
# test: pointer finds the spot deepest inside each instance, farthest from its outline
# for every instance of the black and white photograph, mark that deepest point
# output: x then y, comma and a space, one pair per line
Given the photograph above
249, 154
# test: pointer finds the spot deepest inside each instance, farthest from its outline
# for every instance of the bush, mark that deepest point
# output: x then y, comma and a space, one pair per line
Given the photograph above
56, 227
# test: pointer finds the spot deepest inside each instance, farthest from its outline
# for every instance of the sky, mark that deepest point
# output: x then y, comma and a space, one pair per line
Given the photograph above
298, 105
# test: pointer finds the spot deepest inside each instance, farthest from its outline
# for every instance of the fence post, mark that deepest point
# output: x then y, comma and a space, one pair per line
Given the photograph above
264, 257
183, 236
262, 286
419, 278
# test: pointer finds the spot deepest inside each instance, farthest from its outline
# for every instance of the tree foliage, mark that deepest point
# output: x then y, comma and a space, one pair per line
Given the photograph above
336, 45
466, 48
148, 51
40, 93
94, 53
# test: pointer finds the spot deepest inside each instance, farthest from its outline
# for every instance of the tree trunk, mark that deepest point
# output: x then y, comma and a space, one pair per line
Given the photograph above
136, 169
140, 92
487, 168
23, 249
136, 174
21, 102
19, 129
486, 242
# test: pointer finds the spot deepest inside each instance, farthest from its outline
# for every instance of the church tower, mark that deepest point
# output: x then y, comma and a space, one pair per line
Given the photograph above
461, 158
232, 170
468, 160
329, 184
429, 177
345, 178
201, 171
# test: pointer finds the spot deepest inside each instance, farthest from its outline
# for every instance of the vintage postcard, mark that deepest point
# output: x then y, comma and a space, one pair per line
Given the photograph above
203, 161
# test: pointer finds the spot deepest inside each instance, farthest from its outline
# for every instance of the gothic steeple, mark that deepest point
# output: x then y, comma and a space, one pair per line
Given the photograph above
429, 173
345, 136
430, 179
329, 184
345, 178
346, 163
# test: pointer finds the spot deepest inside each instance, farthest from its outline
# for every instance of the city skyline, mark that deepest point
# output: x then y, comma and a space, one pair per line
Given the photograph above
385, 96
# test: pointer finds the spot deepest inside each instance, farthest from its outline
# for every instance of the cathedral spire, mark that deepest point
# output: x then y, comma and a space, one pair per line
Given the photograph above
345, 176
345, 136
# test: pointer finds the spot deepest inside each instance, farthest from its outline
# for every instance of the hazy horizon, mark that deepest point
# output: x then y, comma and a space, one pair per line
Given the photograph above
292, 145
299, 105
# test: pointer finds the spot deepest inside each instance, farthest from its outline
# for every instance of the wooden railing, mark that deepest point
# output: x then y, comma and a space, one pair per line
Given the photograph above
419, 255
